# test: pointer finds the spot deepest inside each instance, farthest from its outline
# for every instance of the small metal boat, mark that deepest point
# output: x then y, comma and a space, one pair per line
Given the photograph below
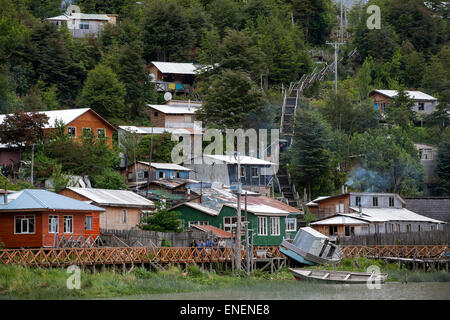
311, 247
331, 276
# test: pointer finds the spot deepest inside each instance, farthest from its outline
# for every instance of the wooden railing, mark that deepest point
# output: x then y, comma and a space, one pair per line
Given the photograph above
125, 255
399, 251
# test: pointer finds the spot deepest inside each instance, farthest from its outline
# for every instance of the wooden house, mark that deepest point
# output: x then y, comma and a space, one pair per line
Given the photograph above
80, 24
33, 218
123, 209
78, 122
424, 104
271, 220
172, 116
137, 175
173, 76
429, 159
256, 174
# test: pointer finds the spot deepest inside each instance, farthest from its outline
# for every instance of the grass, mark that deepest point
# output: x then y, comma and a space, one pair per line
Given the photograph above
18, 282
361, 264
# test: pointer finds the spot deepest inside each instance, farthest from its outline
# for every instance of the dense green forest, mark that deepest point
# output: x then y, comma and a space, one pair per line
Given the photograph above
257, 46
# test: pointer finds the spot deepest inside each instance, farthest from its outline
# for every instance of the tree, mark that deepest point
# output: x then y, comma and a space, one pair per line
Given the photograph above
309, 159
103, 92
315, 17
58, 179
162, 146
167, 35
162, 220
389, 162
23, 129
132, 72
232, 101
443, 166
225, 14
400, 112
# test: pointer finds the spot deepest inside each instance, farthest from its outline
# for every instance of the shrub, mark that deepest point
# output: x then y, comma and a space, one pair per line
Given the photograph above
195, 271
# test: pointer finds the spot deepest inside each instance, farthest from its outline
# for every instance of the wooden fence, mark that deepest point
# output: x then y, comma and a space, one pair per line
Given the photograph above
399, 238
125, 255
406, 251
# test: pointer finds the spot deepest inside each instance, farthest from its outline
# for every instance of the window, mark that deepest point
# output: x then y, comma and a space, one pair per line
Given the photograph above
88, 223
86, 132
243, 173
357, 201
161, 174
198, 223
398, 227
155, 113
375, 201
421, 106
100, 133
24, 224
230, 223
124, 216
333, 230
71, 132
68, 224
274, 226
255, 172
53, 224
349, 231
291, 224
426, 154
391, 201
140, 175
408, 228
262, 226
178, 174
84, 25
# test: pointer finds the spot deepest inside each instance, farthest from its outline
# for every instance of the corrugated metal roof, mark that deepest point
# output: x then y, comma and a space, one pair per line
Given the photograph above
157, 130
173, 109
339, 220
415, 95
65, 116
89, 16
108, 197
245, 160
314, 233
176, 67
216, 231
390, 214
165, 166
36, 199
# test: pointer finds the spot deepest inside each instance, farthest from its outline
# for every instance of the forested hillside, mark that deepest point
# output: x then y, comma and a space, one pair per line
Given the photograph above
256, 46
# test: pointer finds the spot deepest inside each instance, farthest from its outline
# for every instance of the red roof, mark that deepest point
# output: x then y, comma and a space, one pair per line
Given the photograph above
216, 231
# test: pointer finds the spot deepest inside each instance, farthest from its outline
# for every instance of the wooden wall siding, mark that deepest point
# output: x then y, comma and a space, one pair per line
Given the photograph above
112, 218
435, 208
327, 207
159, 120
404, 238
380, 99
78, 226
190, 214
90, 120
11, 240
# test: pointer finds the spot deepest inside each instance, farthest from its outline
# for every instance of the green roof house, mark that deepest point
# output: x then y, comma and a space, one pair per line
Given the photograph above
271, 220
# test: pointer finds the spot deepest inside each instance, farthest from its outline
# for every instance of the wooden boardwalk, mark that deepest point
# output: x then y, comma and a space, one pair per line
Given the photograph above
161, 257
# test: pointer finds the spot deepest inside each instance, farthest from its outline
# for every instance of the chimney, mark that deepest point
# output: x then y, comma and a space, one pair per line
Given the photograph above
360, 211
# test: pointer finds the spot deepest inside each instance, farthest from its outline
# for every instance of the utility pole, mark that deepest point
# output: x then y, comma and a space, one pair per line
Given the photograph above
150, 164
32, 164
247, 251
341, 29
238, 224
336, 47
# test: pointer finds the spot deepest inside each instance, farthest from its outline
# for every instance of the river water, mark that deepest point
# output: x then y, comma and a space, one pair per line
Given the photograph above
297, 290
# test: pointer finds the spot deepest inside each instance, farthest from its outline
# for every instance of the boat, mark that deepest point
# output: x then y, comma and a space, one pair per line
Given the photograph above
331, 276
311, 247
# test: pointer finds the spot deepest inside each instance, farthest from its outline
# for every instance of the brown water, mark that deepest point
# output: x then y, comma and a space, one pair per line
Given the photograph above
284, 290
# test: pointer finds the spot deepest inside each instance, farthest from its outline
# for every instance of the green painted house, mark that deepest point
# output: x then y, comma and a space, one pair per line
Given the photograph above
271, 220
